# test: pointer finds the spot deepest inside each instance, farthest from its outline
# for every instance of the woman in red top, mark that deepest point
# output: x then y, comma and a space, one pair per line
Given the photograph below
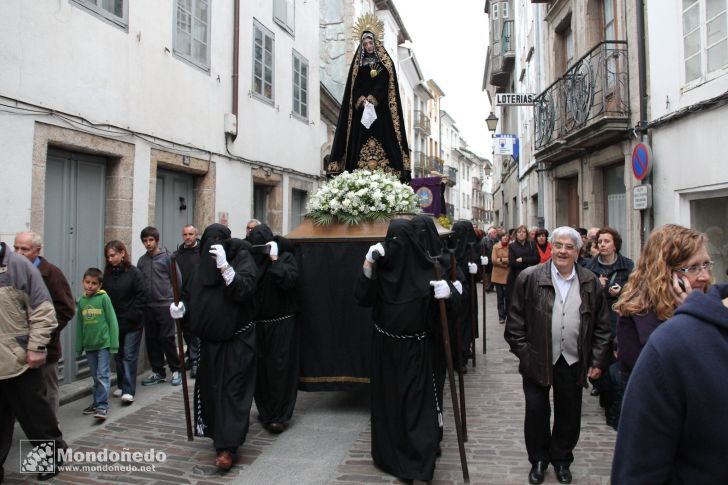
543, 245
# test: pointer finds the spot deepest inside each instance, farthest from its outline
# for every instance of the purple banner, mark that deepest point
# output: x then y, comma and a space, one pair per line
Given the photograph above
429, 194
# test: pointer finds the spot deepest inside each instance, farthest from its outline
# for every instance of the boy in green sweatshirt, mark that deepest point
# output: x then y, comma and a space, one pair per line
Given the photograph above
97, 332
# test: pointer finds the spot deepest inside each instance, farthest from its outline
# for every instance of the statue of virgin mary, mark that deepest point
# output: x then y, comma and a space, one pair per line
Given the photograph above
370, 132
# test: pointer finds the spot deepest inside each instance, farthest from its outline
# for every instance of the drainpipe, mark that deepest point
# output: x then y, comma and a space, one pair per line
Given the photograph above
642, 78
236, 62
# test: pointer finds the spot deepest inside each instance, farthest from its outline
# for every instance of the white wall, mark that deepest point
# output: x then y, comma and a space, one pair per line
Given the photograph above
16, 138
56, 54
269, 132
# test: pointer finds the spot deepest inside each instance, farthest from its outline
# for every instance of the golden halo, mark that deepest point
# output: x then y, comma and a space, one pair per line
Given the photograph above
369, 22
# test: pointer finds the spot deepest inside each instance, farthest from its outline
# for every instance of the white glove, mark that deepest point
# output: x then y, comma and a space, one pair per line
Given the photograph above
442, 290
370, 254
458, 286
228, 275
472, 268
273, 248
218, 253
177, 311
483, 260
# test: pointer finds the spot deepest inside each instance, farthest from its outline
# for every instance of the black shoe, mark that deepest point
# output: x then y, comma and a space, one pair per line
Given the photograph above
563, 475
537, 472
56, 470
276, 428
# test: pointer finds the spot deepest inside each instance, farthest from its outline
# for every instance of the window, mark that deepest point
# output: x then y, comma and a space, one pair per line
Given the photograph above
608, 11
192, 32
284, 14
300, 85
705, 37
260, 202
504, 10
569, 47
710, 216
494, 11
263, 41
115, 11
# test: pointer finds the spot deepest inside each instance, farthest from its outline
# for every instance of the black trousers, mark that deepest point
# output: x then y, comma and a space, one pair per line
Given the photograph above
542, 443
159, 335
22, 398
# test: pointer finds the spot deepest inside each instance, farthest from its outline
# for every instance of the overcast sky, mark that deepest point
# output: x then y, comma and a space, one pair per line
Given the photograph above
450, 40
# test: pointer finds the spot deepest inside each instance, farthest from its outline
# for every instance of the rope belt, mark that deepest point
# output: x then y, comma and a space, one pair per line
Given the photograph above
273, 320
245, 328
416, 336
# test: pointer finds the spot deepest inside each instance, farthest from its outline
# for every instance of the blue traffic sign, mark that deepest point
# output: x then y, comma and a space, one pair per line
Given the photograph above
641, 161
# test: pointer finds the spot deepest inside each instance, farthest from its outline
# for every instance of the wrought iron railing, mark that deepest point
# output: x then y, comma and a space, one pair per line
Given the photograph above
597, 85
422, 122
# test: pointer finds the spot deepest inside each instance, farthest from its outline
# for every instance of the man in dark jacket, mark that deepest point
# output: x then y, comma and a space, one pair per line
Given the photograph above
188, 257
672, 428
558, 326
29, 244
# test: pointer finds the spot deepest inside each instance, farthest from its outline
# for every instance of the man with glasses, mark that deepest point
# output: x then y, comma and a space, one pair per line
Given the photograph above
558, 327
249, 227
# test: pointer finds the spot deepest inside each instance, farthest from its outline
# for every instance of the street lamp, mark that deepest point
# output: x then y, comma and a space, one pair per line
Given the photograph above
492, 122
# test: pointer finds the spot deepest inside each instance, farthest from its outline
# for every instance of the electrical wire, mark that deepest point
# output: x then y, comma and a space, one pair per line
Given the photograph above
112, 131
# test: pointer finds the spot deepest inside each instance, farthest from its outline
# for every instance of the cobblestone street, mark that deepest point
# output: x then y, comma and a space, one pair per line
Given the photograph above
328, 440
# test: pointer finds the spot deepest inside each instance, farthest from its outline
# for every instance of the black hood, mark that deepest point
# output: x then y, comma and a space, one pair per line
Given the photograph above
214, 234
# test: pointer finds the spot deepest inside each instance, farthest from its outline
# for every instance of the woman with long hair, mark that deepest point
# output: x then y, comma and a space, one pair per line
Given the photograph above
673, 263
124, 284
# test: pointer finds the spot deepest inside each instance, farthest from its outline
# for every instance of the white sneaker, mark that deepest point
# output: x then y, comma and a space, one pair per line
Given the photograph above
117, 393
127, 399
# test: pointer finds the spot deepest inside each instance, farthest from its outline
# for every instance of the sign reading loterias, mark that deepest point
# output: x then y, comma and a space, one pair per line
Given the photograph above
514, 99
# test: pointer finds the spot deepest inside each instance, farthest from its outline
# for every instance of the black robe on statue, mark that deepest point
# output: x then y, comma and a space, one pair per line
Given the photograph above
221, 316
404, 408
383, 146
275, 327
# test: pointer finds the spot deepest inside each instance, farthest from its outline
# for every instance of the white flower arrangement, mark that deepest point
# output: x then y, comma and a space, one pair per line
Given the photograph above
361, 195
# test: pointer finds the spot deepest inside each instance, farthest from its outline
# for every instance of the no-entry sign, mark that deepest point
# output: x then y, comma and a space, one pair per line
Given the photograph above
641, 161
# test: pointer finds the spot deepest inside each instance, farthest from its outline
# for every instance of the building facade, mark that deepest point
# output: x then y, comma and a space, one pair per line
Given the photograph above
119, 115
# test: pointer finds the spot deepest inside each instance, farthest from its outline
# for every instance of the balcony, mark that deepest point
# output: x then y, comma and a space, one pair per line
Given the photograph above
503, 56
477, 184
422, 123
451, 174
587, 107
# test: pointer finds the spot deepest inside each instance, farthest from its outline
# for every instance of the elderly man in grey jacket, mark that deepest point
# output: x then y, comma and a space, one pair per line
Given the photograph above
27, 320
558, 326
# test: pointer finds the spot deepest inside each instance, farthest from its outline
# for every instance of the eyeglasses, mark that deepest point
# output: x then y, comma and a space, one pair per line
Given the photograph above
695, 269
568, 247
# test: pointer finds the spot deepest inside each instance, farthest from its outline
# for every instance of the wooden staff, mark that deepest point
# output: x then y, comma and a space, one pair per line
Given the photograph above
181, 350
483, 270
451, 377
473, 307
459, 350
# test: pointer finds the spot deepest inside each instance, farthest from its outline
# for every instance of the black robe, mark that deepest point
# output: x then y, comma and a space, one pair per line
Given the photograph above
276, 387
464, 239
404, 407
384, 145
222, 317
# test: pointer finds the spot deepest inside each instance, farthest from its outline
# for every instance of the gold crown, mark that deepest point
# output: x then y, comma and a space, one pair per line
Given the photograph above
369, 23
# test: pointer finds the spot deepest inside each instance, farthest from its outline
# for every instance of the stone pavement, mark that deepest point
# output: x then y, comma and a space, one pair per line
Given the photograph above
328, 441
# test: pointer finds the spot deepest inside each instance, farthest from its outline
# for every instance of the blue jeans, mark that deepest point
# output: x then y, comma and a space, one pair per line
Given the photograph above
98, 363
126, 361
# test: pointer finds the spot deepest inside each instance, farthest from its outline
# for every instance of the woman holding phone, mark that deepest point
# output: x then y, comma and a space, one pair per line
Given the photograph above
673, 263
